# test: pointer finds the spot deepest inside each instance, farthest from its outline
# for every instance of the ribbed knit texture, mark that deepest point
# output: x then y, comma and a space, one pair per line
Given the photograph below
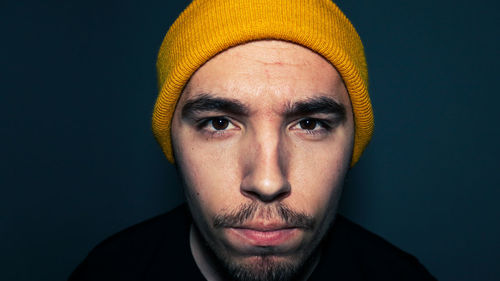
207, 27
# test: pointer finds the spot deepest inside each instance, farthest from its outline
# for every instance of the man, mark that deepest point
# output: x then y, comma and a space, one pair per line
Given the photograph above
263, 108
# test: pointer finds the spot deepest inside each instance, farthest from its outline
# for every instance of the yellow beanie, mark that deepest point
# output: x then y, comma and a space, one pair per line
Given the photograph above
208, 27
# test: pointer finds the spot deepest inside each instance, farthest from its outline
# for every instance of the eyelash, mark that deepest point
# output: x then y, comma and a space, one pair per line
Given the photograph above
323, 125
206, 125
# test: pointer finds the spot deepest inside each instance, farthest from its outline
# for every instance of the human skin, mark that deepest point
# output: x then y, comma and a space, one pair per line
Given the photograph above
260, 126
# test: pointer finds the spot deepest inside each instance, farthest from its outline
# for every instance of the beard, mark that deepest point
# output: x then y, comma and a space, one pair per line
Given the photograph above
267, 265
264, 268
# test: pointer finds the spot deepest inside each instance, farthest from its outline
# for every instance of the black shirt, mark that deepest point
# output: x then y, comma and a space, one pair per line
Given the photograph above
158, 249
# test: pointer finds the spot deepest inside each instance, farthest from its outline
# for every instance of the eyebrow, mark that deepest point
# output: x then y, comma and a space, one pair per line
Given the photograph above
316, 105
209, 103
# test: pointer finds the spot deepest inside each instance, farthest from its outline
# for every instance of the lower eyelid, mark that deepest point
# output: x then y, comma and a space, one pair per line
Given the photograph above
316, 132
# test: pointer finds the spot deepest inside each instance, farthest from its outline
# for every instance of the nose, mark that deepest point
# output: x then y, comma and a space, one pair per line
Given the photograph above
265, 169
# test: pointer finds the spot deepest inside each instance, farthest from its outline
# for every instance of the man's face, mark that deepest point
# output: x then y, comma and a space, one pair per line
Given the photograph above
263, 137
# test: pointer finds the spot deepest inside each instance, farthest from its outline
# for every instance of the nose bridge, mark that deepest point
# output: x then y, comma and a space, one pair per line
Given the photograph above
266, 168
268, 154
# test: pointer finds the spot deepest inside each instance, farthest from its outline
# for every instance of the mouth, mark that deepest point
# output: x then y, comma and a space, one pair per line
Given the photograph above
264, 235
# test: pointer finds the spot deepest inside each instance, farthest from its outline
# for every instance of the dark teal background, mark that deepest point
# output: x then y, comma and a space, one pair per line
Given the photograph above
79, 162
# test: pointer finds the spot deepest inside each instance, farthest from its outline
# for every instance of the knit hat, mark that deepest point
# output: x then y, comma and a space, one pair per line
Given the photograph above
208, 27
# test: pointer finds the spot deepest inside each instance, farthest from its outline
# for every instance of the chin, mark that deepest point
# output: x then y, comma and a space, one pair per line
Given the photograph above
263, 268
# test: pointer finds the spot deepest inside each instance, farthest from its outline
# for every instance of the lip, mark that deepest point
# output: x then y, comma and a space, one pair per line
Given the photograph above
269, 235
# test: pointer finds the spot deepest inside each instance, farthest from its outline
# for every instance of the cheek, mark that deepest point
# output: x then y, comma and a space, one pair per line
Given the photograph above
317, 175
210, 173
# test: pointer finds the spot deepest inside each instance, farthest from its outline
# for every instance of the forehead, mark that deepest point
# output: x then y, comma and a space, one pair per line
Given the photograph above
267, 72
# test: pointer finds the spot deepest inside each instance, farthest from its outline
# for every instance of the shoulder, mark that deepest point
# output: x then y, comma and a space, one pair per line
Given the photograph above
370, 257
128, 254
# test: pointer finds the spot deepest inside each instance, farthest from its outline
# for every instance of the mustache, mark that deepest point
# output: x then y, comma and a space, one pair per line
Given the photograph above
254, 209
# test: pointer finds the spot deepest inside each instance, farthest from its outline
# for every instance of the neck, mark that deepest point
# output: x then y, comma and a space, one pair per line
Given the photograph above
204, 259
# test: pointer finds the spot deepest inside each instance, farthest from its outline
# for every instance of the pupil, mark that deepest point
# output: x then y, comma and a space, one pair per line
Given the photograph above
220, 124
308, 124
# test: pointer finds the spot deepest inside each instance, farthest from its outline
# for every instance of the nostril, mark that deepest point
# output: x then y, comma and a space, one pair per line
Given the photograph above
250, 194
267, 195
282, 195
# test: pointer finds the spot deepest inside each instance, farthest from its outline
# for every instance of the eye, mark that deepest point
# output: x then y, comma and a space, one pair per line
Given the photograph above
312, 126
308, 124
217, 124
220, 123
